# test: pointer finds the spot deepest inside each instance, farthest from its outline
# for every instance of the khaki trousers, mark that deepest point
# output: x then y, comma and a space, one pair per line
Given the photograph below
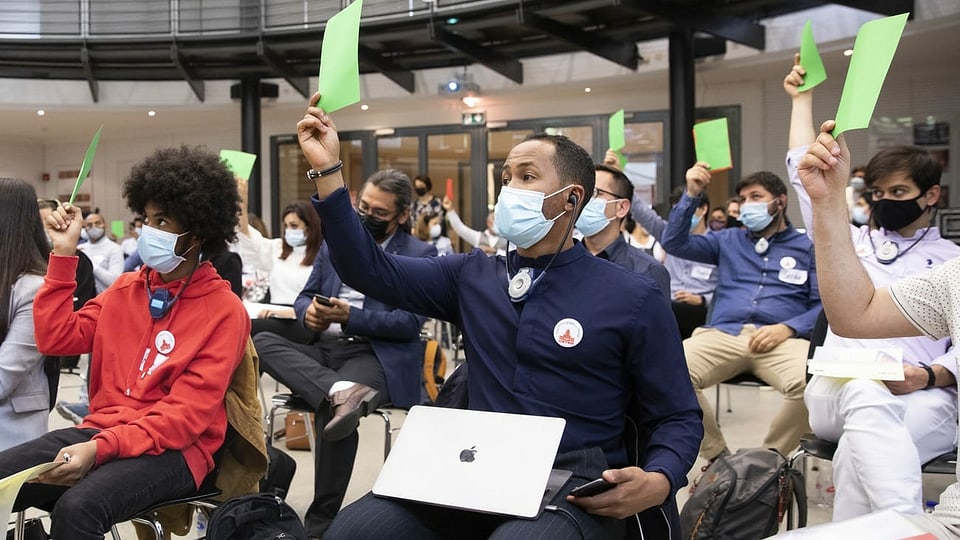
714, 356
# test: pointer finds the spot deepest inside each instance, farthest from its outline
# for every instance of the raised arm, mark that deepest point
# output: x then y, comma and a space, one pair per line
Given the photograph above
470, 236
854, 307
800, 136
677, 239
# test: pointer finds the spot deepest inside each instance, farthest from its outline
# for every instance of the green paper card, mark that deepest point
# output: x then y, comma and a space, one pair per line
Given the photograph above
711, 140
117, 228
615, 133
239, 163
87, 163
339, 65
872, 54
810, 60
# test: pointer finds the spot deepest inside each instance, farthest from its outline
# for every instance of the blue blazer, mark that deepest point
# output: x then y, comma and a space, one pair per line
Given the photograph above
394, 334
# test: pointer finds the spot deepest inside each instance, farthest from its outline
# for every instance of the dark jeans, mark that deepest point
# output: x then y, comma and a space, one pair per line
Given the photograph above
287, 328
309, 371
375, 518
111, 493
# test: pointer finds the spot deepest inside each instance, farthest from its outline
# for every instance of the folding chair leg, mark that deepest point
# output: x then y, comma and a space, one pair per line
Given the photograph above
18, 529
387, 432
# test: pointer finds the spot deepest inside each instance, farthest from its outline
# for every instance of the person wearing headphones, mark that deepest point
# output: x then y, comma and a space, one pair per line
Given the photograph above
764, 307
549, 329
165, 343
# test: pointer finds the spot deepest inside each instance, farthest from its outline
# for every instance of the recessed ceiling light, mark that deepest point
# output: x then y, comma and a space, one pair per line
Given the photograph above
364, 107
848, 52
41, 112
588, 89
151, 113
453, 20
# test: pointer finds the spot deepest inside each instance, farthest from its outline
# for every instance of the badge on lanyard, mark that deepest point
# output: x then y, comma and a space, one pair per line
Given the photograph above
761, 246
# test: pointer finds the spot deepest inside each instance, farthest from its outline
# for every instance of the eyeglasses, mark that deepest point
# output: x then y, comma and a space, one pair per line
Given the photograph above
598, 191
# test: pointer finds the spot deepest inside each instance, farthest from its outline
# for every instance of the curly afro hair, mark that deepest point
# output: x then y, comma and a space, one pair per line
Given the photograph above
192, 185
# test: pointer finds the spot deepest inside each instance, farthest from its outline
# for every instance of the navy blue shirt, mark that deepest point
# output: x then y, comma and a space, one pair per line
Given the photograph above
779, 286
590, 339
638, 261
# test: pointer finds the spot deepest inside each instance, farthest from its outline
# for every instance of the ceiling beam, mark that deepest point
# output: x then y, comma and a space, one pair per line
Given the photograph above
720, 25
617, 51
883, 7
88, 73
505, 65
197, 85
704, 46
299, 83
404, 78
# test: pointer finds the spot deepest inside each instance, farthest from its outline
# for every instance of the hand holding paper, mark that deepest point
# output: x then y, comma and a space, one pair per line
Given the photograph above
320, 144
825, 169
697, 178
82, 457
63, 225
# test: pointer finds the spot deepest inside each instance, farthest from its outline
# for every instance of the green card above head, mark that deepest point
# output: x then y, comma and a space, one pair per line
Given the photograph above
87, 163
872, 54
711, 139
810, 60
615, 134
239, 163
117, 228
339, 65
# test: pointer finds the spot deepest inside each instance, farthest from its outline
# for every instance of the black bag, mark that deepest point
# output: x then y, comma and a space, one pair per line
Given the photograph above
259, 516
743, 496
32, 530
280, 470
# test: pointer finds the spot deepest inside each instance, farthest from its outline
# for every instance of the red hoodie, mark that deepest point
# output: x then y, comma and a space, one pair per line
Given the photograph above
155, 385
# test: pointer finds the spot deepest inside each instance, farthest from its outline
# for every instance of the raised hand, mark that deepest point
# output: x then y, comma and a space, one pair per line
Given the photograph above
698, 177
794, 78
63, 226
611, 158
318, 137
825, 168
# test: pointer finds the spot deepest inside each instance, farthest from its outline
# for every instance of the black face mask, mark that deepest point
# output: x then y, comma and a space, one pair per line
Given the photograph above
376, 226
421, 191
895, 215
733, 223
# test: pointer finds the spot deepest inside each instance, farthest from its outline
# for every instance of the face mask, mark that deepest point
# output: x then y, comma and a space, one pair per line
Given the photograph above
718, 224
295, 237
158, 249
519, 215
860, 216
138, 230
895, 215
376, 226
421, 191
594, 219
83, 234
755, 215
95, 233
435, 231
694, 221
733, 223
857, 183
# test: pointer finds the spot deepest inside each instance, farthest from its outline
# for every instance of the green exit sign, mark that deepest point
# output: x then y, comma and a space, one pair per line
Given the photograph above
474, 118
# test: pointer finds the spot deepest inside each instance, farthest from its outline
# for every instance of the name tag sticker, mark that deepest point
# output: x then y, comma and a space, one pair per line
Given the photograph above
701, 272
793, 276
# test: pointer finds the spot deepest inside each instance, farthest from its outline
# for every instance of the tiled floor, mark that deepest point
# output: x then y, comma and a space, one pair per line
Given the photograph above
743, 427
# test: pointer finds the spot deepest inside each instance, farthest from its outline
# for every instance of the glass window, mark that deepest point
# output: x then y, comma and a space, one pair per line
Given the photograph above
448, 162
399, 153
582, 135
499, 144
644, 153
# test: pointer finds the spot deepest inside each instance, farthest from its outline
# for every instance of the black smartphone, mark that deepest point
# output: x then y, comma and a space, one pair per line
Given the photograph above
322, 300
591, 488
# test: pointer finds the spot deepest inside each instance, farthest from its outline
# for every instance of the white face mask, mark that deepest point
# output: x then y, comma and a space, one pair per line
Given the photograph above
95, 233
860, 215
435, 230
295, 237
519, 217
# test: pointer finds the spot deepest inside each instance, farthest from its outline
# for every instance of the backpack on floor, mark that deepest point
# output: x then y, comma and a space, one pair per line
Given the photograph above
743, 496
260, 516
280, 471
434, 369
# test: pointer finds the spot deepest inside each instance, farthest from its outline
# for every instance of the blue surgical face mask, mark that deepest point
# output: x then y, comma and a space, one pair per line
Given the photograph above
860, 215
158, 249
755, 215
694, 221
295, 237
594, 218
519, 217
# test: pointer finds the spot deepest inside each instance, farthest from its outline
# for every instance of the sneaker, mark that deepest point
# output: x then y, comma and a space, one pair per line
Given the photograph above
73, 412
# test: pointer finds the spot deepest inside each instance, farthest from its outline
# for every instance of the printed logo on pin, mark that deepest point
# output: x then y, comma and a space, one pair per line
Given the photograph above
568, 333
788, 263
165, 342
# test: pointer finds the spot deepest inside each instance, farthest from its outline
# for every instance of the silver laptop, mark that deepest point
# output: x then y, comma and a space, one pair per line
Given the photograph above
472, 460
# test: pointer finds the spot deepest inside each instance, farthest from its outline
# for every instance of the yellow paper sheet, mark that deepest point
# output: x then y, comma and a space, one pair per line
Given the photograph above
10, 486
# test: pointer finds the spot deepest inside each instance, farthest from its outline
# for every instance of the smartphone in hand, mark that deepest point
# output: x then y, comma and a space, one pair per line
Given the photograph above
594, 487
322, 300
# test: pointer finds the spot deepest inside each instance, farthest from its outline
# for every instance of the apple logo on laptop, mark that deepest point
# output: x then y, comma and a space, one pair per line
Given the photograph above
467, 455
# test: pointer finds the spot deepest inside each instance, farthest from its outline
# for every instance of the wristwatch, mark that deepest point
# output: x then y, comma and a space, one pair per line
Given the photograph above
931, 376
313, 174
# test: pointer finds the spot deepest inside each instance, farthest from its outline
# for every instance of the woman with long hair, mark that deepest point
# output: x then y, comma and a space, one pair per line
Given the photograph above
24, 391
288, 261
